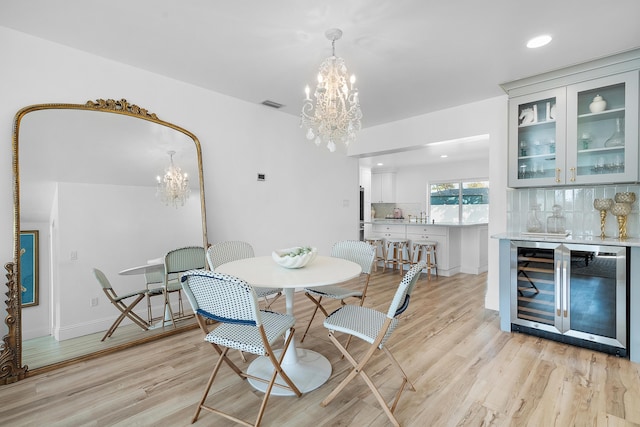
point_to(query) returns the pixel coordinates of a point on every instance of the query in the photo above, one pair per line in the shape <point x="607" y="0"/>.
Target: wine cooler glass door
<point x="596" y="294"/>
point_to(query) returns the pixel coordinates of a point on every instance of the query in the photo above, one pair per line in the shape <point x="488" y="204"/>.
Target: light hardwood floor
<point x="466" y="372"/>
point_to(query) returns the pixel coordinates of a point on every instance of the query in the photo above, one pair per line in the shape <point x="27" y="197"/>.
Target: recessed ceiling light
<point x="539" y="41"/>
<point x="379" y="164"/>
<point x="444" y="156"/>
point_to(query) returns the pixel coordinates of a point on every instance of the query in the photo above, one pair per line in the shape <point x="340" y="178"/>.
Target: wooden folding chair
<point x="374" y="327"/>
<point x="126" y="310"/>
<point x="359" y="252"/>
<point x="234" y="304"/>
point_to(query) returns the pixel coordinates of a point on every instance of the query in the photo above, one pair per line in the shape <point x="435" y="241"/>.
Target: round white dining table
<point x="150" y="267"/>
<point x="142" y="269"/>
<point x="308" y="369"/>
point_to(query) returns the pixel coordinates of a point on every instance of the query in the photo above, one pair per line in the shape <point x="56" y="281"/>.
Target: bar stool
<point x="425" y="250"/>
<point x="398" y="253"/>
<point x="379" y="244"/>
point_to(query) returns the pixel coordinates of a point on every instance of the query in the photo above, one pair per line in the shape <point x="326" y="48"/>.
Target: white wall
<point x="303" y="200"/>
<point x="411" y="182"/>
<point x="484" y="117"/>
<point x="111" y="227"/>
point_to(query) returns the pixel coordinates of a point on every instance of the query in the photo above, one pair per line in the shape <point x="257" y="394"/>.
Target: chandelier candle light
<point x="335" y="116"/>
<point x="173" y="186"/>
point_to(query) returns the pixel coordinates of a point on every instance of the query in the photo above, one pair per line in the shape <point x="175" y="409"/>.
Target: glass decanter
<point x="533" y="223"/>
<point x="556" y="222"/>
<point x="617" y="138"/>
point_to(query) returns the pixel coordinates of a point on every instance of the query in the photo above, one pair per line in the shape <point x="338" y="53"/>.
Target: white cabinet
<point x="383" y="187"/>
<point x="557" y="137"/>
<point x="389" y="231"/>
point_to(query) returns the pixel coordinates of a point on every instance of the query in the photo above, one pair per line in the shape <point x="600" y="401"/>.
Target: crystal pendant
<point x="617" y="139"/>
<point x="310" y="134"/>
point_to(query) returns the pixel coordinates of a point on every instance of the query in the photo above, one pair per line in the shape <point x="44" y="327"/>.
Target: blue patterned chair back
<point x="224" y="252"/>
<point x="221" y="297"/>
<point x="356" y="251"/>
<point x="403" y="293"/>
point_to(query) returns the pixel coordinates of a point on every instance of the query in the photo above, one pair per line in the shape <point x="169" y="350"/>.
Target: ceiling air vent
<point x="272" y="104"/>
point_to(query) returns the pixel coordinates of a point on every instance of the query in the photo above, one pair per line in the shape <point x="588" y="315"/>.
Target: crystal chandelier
<point x="173" y="186"/>
<point x="335" y="115"/>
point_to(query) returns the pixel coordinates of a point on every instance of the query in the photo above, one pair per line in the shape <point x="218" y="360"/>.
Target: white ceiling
<point x="410" y="56"/>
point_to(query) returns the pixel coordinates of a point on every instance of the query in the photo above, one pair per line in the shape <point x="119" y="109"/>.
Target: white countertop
<point x="588" y="240"/>
<point x="436" y="224"/>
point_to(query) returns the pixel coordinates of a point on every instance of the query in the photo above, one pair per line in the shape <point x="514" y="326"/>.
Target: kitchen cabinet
<point x="558" y="136"/>
<point x="573" y="293"/>
<point x="383" y="187"/>
<point x="389" y="231"/>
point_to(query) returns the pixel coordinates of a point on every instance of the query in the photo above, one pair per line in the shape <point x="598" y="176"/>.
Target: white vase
<point x="598" y="104"/>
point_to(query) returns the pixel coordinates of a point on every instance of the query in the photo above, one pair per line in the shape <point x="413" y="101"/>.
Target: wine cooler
<point x="571" y="293"/>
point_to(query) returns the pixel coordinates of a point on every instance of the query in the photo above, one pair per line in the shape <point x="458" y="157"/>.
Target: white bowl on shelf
<point x="296" y="257"/>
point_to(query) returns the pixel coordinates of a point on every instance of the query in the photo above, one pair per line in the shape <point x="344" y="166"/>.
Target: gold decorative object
<point x="603" y="205"/>
<point x="12" y="366"/>
<point x="621" y="210"/>
<point x="121" y="105"/>
<point x="626" y="197"/>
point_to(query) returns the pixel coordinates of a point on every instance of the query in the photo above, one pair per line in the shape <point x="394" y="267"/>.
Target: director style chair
<point x="232" y="250"/>
<point x="359" y="252"/>
<point x="242" y="326"/>
<point x="375" y="328"/>
<point x="126" y="309"/>
<point x="176" y="262"/>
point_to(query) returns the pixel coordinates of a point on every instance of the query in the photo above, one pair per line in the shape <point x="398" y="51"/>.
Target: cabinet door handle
<point x="558" y="288"/>
<point x="558" y="175"/>
<point x="565" y="288"/>
<point x="573" y="174"/>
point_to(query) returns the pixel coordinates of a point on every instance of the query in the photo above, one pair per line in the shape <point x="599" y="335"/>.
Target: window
<point x="459" y="201"/>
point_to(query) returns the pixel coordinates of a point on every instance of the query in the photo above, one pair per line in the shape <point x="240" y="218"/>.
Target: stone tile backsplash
<point x="577" y="207"/>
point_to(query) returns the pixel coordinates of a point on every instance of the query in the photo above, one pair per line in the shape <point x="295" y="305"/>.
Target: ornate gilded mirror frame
<point x="11" y="369"/>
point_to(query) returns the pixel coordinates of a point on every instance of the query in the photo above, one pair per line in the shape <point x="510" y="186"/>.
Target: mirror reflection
<point x="89" y="184"/>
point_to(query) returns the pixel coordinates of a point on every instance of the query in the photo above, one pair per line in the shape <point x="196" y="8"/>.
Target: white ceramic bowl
<point x="285" y="258"/>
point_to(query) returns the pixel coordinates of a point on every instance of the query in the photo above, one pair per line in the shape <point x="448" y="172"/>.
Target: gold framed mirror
<point x="85" y="176"/>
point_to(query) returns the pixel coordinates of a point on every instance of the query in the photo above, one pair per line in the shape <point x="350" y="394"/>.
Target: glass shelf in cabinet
<point x="539" y="156"/>
<point x="602" y="114"/>
<point x="540" y="123"/>
<point x="601" y="149"/>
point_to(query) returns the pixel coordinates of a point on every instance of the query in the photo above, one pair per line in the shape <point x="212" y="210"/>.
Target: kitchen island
<point x="461" y="247"/>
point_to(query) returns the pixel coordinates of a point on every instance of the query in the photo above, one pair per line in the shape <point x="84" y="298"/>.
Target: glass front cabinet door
<point x="537" y="139"/>
<point x="602" y="135"/>
<point x="585" y="133"/>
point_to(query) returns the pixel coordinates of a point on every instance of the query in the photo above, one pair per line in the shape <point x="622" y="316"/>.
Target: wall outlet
<point x="74" y="255"/>
<point x="93" y="302"/>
